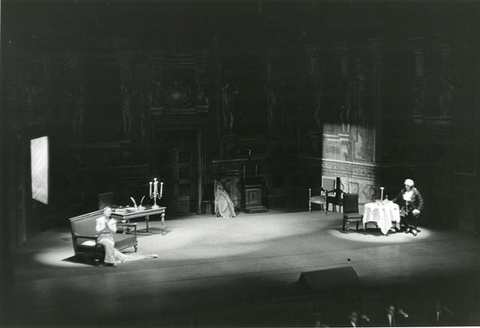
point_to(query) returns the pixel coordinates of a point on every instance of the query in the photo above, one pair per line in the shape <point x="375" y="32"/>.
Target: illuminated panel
<point x="39" y="168"/>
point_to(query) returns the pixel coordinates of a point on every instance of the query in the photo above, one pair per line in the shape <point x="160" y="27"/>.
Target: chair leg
<point x="357" y="225"/>
<point x="309" y="207"/>
<point x="348" y="225"/>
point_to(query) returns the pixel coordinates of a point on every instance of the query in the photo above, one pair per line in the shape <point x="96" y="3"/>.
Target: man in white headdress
<point x="410" y="201"/>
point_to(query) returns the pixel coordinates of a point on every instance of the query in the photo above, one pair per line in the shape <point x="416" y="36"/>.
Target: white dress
<point x="106" y="229"/>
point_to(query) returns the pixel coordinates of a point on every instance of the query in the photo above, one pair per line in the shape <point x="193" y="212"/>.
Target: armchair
<point x="84" y="237"/>
<point x="320" y="197"/>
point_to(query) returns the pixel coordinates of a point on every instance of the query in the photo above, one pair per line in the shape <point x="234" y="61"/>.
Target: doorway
<point x="176" y="165"/>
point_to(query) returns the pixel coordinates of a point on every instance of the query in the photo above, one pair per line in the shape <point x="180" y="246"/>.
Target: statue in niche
<point x="79" y="111"/>
<point x="229" y="93"/>
<point x="446" y="94"/>
<point x="318" y="104"/>
<point x="272" y="102"/>
<point x="155" y="94"/>
<point x="200" y="98"/>
<point x="144" y="102"/>
<point x="274" y="106"/>
<point x="345" y="89"/>
<point x="127" y="99"/>
<point x="419" y="95"/>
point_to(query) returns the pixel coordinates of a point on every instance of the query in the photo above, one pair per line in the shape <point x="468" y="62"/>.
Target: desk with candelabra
<point x="128" y="213"/>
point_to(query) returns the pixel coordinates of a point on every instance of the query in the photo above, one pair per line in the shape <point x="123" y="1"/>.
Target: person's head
<point x="409" y="184"/>
<point x="107" y="211"/>
<point x="353" y="316"/>
<point x="391" y="309"/>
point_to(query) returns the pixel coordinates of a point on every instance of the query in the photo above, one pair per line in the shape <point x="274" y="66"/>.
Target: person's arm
<point x="418" y="203"/>
<point x="100" y="224"/>
<point x="446" y="309"/>
<point x="403" y="313"/>
<point x="399" y="196"/>
<point x="420" y="200"/>
<point x="112" y="225"/>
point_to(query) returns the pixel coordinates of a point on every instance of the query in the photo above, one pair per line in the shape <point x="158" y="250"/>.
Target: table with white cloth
<point x="386" y="215"/>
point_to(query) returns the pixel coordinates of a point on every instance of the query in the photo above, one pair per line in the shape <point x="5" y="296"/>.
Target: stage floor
<point x="243" y="272"/>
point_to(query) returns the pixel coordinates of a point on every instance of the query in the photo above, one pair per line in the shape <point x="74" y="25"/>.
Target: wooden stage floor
<point x="244" y="272"/>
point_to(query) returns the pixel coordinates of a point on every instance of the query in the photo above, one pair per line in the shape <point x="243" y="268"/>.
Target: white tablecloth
<point x="383" y="214"/>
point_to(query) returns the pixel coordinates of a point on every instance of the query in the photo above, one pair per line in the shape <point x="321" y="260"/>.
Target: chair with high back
<point x="334" y="195"/>
<point x="105" y="199"/>
<point x="319" y="199"/>
<point x="350" y="211"/>
<point x="319" y="195"/>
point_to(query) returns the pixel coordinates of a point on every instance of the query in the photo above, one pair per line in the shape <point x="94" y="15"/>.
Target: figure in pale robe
<point x="106" y="226"/>
<point x="224" y="206"/>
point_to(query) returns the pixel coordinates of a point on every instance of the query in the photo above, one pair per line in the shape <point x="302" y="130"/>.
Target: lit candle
<point x="381" y="193"/>
<point x="155" y="187"/>
<point x="150" y="183"/>
<point x="161" y="189"/>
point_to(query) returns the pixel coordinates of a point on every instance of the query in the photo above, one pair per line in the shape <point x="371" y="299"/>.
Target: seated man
<point x="392" y="318"/>
<point x="356" y="319"/>
<point x="410" y="201"/>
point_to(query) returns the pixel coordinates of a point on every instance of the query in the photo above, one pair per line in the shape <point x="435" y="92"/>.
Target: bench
<point x="84" y="236"/>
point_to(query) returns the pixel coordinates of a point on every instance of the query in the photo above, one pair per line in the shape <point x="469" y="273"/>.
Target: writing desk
<point x="128" y="213"/>
<point x="383" y="214"/>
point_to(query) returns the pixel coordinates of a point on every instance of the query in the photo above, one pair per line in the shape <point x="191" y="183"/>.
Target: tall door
<point x="177" y="168"/>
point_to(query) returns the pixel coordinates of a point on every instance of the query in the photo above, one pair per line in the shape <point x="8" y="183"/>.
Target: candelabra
<point x="155" y="193"/>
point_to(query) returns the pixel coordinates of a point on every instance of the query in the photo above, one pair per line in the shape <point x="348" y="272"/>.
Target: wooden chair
<point x="320" y="197"/>
<point x="350" y="211"/>
<point x="334" y="196"/>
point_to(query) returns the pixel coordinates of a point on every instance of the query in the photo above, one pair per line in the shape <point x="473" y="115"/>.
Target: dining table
<point x="386" y="214"/>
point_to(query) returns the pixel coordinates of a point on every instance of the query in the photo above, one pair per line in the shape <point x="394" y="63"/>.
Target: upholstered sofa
<point x="84" y="237"/>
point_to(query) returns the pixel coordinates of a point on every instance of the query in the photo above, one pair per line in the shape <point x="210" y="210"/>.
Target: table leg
<point x="147" y="218"/>
<point x="163" y="224"/>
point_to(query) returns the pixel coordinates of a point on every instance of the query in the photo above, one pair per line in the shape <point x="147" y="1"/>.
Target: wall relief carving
<point x="178" y="95"/>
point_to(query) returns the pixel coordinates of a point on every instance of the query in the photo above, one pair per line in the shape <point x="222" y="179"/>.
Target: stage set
<point x="178" y="111"/>
<point x="265" y="269"/>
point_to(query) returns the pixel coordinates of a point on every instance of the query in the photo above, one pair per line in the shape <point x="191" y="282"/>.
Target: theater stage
<point x="244" y="272"/>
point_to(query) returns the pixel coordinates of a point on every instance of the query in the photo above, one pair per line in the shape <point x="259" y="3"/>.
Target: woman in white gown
<point x="106" y="226"/>
<point x="224" y="206"/>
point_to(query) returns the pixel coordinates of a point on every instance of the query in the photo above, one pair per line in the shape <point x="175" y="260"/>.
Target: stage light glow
<point x="376" y="236"/>
<point x="58" y="257"/>
<point x="213" y="238"/>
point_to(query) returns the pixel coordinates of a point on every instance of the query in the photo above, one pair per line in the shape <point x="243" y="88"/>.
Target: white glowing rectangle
<point x="39" y="152"/>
